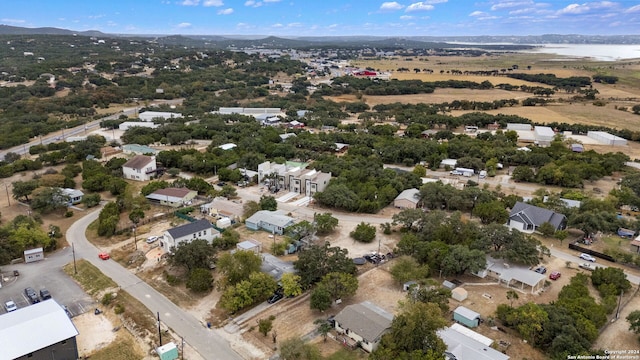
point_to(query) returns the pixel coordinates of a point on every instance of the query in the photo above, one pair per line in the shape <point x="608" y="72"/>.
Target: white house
<point x="466" y="344"/>
<point x="363" y="323"/>
<point x="75" y="196"/>
<point x="140" y="168"/>
<point x="272" y="221"/>
<point x="199" y="229"/>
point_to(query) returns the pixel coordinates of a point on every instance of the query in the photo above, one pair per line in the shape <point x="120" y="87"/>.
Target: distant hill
<point x="16" y="30"/>
<point x="262" y="41"/>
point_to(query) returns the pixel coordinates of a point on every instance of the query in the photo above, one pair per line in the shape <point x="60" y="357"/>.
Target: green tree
<point x="339" y="285"/>
<point x="323" y="328"/>
<point x="491" y="212"/>
<point x="316" y="261"/>
<point x="320" y="298"/>
<point x="22" y="189"/>
<point x="523" y="173"/>
<point x="420" y="170"/>
<point x="227" y="240"/>
<point x="268" y="203"/>
<point x="325" y="223"/>
<point x="47" y="200"/>
<point x="546" y="229"/>
<point x="407" y="268"/>
<point x="196" y="254"/>
<point x="238" y="266"/>
<point x="200" y="280"/>
<point x="436" y="295"/>
<point x="413" y="334"/>
<point x="265" y="325"/>
<point x="634" y="321"/>
<point x="108" y="219"/>
<point x="249" y="208"/>
<point x="363" y="233"/>
<point x="460" y="259"/>
<point x="257" y="287"/>
<point x="512" y="295"/>
<point x="91" y="200"/>
<point x="136" y="215"/>
<point x="291" y="284"/>
<point x="610" y="281"/>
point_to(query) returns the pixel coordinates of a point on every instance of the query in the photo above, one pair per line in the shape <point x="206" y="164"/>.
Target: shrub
<point x="200" y="280"/>
<point x="68" y="214"/>
<point x="118" y="309"/>
<point x="171" y="279"/>
<point x="106" y="299"/>
<point x="364" y="233"/>
<point x="265" y="325"/>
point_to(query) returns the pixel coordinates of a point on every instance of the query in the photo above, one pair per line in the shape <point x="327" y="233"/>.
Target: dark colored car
<point x="45" y="294"/>
<point x="31" y="295"/>
<point x="279" y="294"/>
<point x="541" y="270"/>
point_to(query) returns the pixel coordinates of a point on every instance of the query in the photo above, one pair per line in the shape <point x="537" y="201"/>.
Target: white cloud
<point x="183" y="25"/>
<point x="13" y="21"/>
<point x="253" y="3"/>
<point x="295" y="24"/>
<point x="277" y="25"/>
<point x="406" y="17"/>
<point x="271" y="1"/>
<point x="575" y="9"/>
<point x="215" y="3"/>
<point x="478" y="13"/>
<point x="633" y="9"/>
<point x="190" y="2"/>
<point x="435" y="1"/>
<point x="227" y="11"/>
<point x="419" y="6"/>
<point x="391" y="6"/>
<point x="332" y="26"/>
<point x="510" y="4"/>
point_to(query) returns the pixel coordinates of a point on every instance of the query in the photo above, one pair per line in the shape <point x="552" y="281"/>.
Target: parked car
<point x="31" y="295"/>
<point x="541" y="270"/>
<point x="10" y="306"/>
<point x="587" y="257"/>
<point x="554" y="275"/>
<point x="45" y="294"/>
<point x="16" y="273"/>
<point x="104" y="256"/>
<point x="151" y="239"/>
<point x="279" y="294"/>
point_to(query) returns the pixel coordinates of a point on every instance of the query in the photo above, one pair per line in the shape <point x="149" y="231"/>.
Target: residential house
<point x="221" y="207"/>
<point x="199" y="229"/>
<point x="408" y="199"/>
<point x="140" y="168"/>
<point x="466" y="344"/>
<point x="451" y="163"/>
<point x="174" y="197"/>
<point x="526" y="217"/>
<point x="38" y="332"/>
<point x="135" y="149"/>
<point x="272" y="221"/>
<point x="512" y="275"/>
<point x="75" y="196"/>
<point x="285" y="136"/>
<point x="304" y="181"/>
<point x="227" y="146"/>
<point x="341" y="147"/>
<point x="363" y="324"/>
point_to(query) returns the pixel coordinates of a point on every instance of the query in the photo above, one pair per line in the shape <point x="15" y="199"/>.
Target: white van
<point x="482" y="174"/>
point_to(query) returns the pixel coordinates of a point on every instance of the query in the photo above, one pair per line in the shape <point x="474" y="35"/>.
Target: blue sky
<point x="329" y="17"/>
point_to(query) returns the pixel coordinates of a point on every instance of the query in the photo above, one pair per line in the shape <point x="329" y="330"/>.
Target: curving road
<point x="206" y="342"/>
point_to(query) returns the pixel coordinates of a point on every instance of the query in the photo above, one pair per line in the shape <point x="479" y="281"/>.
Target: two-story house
<point x="140" y="168"/>
<point x="199" y="229"/>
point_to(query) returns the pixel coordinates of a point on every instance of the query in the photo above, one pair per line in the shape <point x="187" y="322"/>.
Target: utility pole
<point x="73" y="251"/>
<point x="182" y="337"/>
<point x="6" y="187"/>
<point x="159" y="331"/>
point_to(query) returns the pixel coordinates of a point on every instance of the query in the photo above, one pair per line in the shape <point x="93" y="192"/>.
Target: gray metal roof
<point x="530" y="214"/>
<point x="138" y="162"/>
<point x="190" y="228"/>
<point x="270" y="217"/>
<point x="515" y="272"/>
<point x="365" y="319"/>
<point x="409" y="194"/>
<point x="466" y="312"/>
<point x="464" y="347"/>
<point x="34" y="327"/>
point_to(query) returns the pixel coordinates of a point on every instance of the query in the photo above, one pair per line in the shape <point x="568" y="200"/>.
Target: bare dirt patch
<point x="95" y="331"/>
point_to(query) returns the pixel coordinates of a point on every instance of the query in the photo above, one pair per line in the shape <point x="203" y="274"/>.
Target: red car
<point x="104" y="256"/>
<point x="554" y="275"/>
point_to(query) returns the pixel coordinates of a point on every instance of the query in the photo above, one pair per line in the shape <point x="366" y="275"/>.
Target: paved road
<point x="78" y="130"/>
<point x="205" y="341"/>
<point x="560" y="254"/>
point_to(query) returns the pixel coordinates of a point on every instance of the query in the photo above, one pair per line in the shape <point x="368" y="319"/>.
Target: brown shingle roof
<point x="177" y="192"/>
<point x="138" y="162"/>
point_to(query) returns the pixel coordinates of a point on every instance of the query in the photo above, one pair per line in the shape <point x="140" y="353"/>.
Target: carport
<point x="511" y="275"/>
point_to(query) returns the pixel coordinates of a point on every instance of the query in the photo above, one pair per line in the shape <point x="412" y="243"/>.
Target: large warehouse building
<point x="606" y="138"/>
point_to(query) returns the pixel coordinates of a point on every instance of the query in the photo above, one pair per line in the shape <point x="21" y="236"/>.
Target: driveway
<point x="208" y="343"/>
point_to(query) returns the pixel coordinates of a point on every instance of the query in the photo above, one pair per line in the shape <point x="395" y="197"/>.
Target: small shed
<point x="459" y="294"/>
<point x="168" y="351"/>
<point x="223" y="223"/>
<point x="33" y="255"/>
<point x="448" y="284"/>
<point x="250" y="245"/>
<point x="466" y="317"/>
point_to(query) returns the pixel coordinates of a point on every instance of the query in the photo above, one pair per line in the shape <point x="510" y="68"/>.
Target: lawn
<point x="92" y="280"/>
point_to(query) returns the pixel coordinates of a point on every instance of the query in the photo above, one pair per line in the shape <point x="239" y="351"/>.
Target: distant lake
<point x="596" y="52"/>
